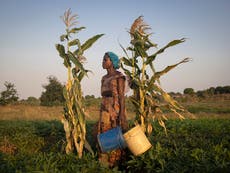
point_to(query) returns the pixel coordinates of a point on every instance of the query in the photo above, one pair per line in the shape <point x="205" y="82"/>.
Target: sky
<point x="29" y="30"/>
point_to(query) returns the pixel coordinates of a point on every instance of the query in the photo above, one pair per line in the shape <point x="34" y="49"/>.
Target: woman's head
<point x="113" y="58"/>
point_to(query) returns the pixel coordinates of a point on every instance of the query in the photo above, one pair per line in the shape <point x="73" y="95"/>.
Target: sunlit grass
<point x="27" y="112"/>
<point x="208" y="108"/>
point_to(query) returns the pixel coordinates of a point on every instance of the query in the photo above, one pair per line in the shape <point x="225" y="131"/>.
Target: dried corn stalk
<point x="145" y="81"/>
<point x="74" y="115"/>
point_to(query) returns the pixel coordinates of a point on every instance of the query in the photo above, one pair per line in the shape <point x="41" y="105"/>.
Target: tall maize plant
<point x="72" y="53"/>
<point x="148" y="97"/>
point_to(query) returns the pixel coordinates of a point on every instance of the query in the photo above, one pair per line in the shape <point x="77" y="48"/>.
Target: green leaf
<point x="151" y="58"/>
<point x="127" y="72"/>
<point x="175" y="42"/>
<point x="154" y="71"/>
<point x="74" y="42"/>
<point x="157" y="75"/>
<point x="63" y="37"/>
<point x="172" y="43"/>
<point x="75" y="61"/>
<point x="124" y="50"/>
<point x="135" y="102"/>
<point x="141" y="52"/>
<point x="65" y="93"/>
<point x="75" y="30"/>
<point x="130" y="48"/>
<point x="88" y="43"/>
<point x="80" y="76"/>
<point x="127" y="61"/>
<point x="152" y="44"/>
<point x="78" y="103"/>
<point x="135" y="83"/>
<point x="61" y="49"/>
<point x="168" y="68"/>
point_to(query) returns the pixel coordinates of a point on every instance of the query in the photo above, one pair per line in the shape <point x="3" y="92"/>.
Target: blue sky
<point x="30" y="29"/>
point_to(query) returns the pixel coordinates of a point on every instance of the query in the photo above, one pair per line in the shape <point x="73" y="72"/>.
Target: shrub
<point x="10" y="95"/>
<point x="53" y="93"/>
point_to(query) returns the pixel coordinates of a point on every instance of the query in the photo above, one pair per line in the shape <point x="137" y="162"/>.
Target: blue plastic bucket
<point x="111" y="139"/>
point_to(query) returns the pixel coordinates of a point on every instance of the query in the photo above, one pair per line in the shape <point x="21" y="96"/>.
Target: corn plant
<point x="148" y="97"/>
<point x="72" y="54"/>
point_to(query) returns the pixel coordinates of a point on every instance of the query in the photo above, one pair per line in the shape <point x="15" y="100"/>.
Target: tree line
<point x="208" y="92"/>
<point x="53" y="94"/>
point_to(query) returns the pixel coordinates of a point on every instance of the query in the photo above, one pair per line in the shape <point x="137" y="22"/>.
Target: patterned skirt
<point x="108" y="120"/>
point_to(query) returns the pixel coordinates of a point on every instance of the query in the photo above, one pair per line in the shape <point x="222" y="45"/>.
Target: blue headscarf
<point x="115" y="60"/>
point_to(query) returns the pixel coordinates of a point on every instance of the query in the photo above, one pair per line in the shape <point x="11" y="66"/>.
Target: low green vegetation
<point x="200" y="145"/>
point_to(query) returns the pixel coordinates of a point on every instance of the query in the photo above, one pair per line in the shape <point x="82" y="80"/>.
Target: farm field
<point x="32" y="139"/>
<point x="216" y="107"/>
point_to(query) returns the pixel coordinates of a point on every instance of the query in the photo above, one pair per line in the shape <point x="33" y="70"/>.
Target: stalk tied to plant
<point x="148" y="97"/>
<point x="74" y="114"/>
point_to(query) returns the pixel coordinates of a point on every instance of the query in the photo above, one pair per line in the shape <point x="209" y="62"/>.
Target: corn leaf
<point x="151" y="58"/>
<point x="169" y="99"/>
<point x="135" y="102"/>
<point x="81" y="75"/>
<point x="80" y="114"/>
<point x="88" y="43"/>
<point x="127" y="72"/>
<point x="63" y="37"/>
<point x="74" y="42"/>
<point x="152" y="44"/>
<point x="75" y="30"/>
<point x="141" y="52"/>
<point x="154" y="71"/>
<point x="75" y="61"/>
<point x="65" y="93"/>
<point x="124" y="50"/>
<point x="127" y="61"/>
<point x="179" y="115"/>
<point x="168" y="68"/>
<point x="175" y="42"/>
<point x="61" y="49"/>
<point x="172" y="43"/>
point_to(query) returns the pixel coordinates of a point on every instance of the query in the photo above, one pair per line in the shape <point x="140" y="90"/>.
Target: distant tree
<point x="175" y="95"/>
<point x="89" y="97"/>
<point x="32" y="101"/>
<point x="222" y="90"/>
<point x="202" y="94"/>
<point x="226" y="89"/>
<point x="189" y="91"/>
<point x="10" y="95"/>
<point x="211" y="91"/>
<point x="219" y="90"/>
<point x="53" y="94"/>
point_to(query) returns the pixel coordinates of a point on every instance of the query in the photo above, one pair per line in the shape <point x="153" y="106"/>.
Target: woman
<point x="112" y="111"/>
